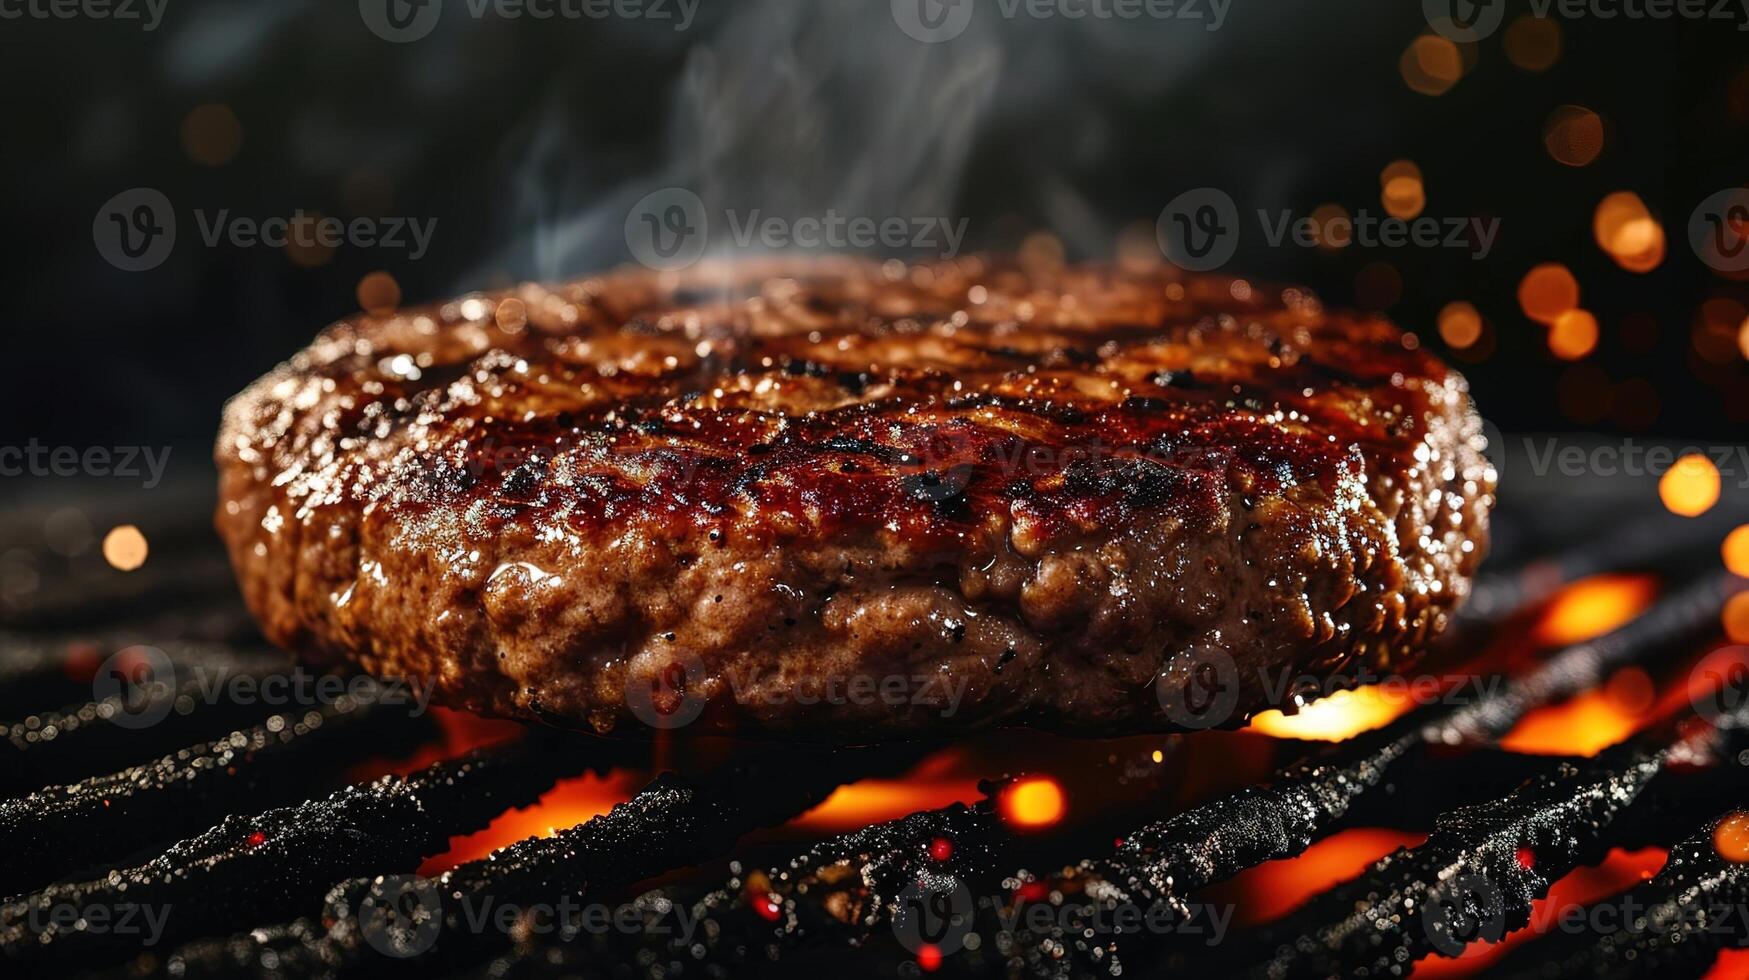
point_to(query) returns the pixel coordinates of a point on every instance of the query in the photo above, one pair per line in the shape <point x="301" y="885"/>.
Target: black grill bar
<point x="60" y="829"/>
<point x="673" y="822"/>
<point x="97" y="737"/>
<point x="1671" y="926"/>
<point x="256" y="869"/>
<point x="1483" y="865"/>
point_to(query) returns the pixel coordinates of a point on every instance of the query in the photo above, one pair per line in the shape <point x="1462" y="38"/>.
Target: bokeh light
<point x="1533" y="43"/>
<point x="1403" y="197"/>
<point x="1736" y="617"/>
<point x="124" y="547"/>
<point x="1459" y="324"/>
<point x="1547" y="291"/>
<point x="1628" y="233"/>
<point x="211" y="134"/>
<point x="1032" y="802"/>
<point x="379" y="293"/>
<point x="1431" y="65"/>
<point x="1691" y="486"/>
<point x="1573" y="135"/>
<point x="1736" y="551"/>
<point x="1573" y="335"/>
<point x="1731" y="837"/>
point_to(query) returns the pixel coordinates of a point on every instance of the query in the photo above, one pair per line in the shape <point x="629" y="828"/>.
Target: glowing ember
<point x="1526" y="858"/>
<point x="1547" y="291"/>
<point x="1533" y="43"/>
<point x="940" y="849"/>
<point x="255" y="839"/>
<point x="1431" y="65"/>
<point x="1731" y="838"/>
<point x="1589" y="723"/>
<point x="1736" y="617"/>
<point x="569" y="803"/>
<point x="1736" y="551"/>
<point x="1573" y="135"/>
<point x="1690" y="487"/>
<point x="1275" y="888"/>
<point x="929" y="958"/>
<point x="1033" y="802"/>
<point x="875" y="800"/>
<point x="124" y="547"/>
<point x="1573" y="335"/>
<point x="1594" y="606"/>
<point x="1343" y="714"/>
<point x="1459" y="324"/>
<point x="379" y="294"/>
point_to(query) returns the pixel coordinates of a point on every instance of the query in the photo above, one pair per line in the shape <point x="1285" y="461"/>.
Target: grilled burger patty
<point x="843" y="499"/>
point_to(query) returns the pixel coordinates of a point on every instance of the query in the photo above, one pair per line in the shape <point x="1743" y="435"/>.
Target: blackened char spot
<point x="1138" y="481"/>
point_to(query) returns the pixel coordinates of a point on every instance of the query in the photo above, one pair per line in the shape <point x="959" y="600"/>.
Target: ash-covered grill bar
<point x="203" y="816"/>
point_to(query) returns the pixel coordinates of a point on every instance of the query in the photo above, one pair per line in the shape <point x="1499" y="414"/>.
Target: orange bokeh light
<point x="1533" y="43"/>
<point x="1033" y="802"/>
<point x="1459" y="324"/>
<point x="1736" y="617"/>
<point x="1573" y="135"/>
<point x="1431" y="65"/>
<point x="1403" y="197"/>
<point x="1691" y="486"/>
<point x="1627" y="232"/>
<point x="1547" y="291"/>
<point x="1731" y="837"/>
<point x="1736" y="551"/>
<point x="1573" y="335"/>
<point x="124" y="547"/>
<point x="379" y="293"/>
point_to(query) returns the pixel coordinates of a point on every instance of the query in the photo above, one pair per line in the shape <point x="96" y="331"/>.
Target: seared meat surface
<point x="842" y="499"/>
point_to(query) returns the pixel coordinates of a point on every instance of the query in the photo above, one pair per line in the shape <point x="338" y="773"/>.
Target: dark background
<point x="525" y="138"/>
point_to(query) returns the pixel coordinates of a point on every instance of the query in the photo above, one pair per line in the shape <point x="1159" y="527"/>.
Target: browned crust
<point x="1042" y="488"/>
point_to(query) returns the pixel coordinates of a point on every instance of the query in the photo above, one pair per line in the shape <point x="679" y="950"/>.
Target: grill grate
<point x="240" y="825"/>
